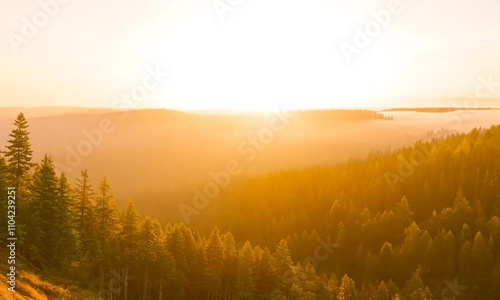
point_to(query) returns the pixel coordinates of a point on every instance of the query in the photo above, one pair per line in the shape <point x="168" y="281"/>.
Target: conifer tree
<point x="347" y="290"/>
<point x="165" y="264"/>
<point x="214" y="253"/>
<point x="414" y="288"/>
<point x="84" y="222"/>
<point x="66" y="203"/>
<point x="150" y="241"/>
<point x="107" y="227"/>
<point x="4" y="184"/>
<point x="283" y="265"/>
<point x="245" y="284"/>
<point x="382" y="292"/>
<point x="175" y="244"/>
<point x="265" y="275"/>
<point x="130" y="240"/>
<point x="19" y="154"/>
<point x="332" y="287"/>
<point x="106" y="215"/>
<point x="52" y="232"/>
<point x="386" y="261"/>
<point x="84" y="196"/>
<point x="482" y="261"/>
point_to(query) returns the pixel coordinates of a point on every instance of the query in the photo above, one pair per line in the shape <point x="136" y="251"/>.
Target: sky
<point x="249" y="54"/>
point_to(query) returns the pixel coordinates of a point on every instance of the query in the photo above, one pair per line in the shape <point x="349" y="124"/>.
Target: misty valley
<point x="236" y="207"/>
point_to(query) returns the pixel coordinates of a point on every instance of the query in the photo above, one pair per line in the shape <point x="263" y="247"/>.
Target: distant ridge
<point x="437" y="109"/>
<point x="47" y="111"/>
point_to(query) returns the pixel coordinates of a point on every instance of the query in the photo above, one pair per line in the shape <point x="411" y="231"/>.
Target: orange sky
<point x="248" y="54"/>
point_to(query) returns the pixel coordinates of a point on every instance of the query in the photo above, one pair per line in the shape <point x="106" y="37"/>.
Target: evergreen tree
<point x="50" y="231"/>
<point x="19" y="164"/>
<point x="85" y="225"/>
<point x="347" y="290"/>
<point x="129" y="241"/>
<point x="482" y="262"/>
<point x="106" y="216"/>
<point x="165" y="267"/>
<point x="214" y="254"/>
<point x="386" y="262"/>
<point x="84" y="196"/>
<point x="466" y="264"/>
<point x="229" y="281"/>
<point x="148" y="255"/>
<point x="414" y="288"/>
<point x="332" y="287"/>
<point x="245" y="284"/>
<point x="66" y="203"/>
<point x="107" y="227"/>
<point x="265" y="275"/>
<point x="4" y="185"/>
<point x="175" y="245"/>
<point x="19" y="153"/>
<point x="382" y="292"/>
<point x="283" y="265"/>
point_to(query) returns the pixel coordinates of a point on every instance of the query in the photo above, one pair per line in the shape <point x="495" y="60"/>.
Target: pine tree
<point x="150" y="241"/>
<point x="414" y="288"/>
<point x="105" y="212"/>
<point x="67" y="197"/>
<point x="347" y="290"/>
<point x="283" y="265"/>
<point x="129" y="240"/>
<point x="367" y="291"/>
<point x="84" y="196"/>
<point x="449" y="254"/>
<point x="265" y="275"/>
<point x="19" y="164"/>
<point x="332" y="287"/>
<point x="175" y="245"/>
<point x="107" y="227"/>
<point x="85" y="224"/>
<point x="466" y="234"/>
<point x="4" y="184"/>
<point x="382" y="292"/>
<point x="245" y="284"/>
<point x="229" y="281"/>
<point x="195" y="262"/>
<point x="393" y="288"/>
<point x="66" y="203"/>
<point x="386" y="261"/>
<point x="411" y="251"/>
<point x="4" y="174"/>
<point x="430" y="260"/>
<point x="52" y="233"/>
<point x="403" y="212"/>
<point x="19" y="153"/>
<point x="466" y="264"/>
<point x="214" y="254"/>
<point x="165" y="263"/>
<point x="482" y="261"/>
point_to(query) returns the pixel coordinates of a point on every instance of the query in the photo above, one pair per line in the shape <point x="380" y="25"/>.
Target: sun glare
<point x="242" y="65"/>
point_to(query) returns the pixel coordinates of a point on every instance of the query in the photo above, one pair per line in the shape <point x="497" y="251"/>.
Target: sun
<point x="248" y="66"/>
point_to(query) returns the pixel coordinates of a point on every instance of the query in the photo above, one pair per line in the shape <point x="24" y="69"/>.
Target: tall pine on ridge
<point x="19" y="153"/>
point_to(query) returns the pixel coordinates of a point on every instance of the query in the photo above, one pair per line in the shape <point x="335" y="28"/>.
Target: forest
<point x="417" y="223"/>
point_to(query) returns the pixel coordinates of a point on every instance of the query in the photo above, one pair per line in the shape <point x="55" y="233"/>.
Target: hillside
<point x="34" y="284"/>
<point x="413" y="223"/>
<point x="428" y="174"/>
<point x="172" y="152"/>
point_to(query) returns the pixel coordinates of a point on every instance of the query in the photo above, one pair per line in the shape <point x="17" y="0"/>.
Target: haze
<point x="259" y="56"/>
